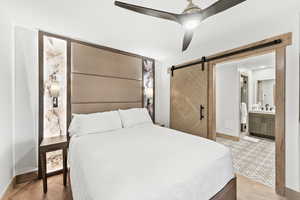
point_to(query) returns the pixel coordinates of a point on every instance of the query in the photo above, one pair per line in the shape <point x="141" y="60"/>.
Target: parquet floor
<point x="247" y="190"/>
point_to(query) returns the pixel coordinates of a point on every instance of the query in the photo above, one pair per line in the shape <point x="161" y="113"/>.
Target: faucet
<point x="267" y="107"/>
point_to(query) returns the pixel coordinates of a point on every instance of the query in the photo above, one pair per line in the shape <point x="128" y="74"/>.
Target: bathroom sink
<point x="263" y="112"/>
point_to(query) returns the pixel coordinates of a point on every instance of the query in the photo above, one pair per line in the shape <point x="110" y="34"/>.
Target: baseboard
<point x="229" y="137"/>
<point x="23" y="178"/>
<point x="25" y="171"/>
<point x="9" y="189"/>
<point x="291" y="194"/>
<point x="32" y="176"/>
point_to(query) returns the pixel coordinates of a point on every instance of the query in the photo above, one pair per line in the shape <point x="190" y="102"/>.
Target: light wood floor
<point x="247" y="190"/>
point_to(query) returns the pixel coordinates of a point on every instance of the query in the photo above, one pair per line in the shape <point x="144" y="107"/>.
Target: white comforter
<point x="147" y="162"/>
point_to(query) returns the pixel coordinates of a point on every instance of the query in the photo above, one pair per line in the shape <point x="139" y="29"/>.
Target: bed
<point x="140" y="162"/>
<point x="149" y="162"/>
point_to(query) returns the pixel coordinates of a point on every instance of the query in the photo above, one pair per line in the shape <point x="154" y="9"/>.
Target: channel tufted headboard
<point x="104" y="80"/>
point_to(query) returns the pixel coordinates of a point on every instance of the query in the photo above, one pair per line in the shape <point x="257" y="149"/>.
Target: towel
<point x="244" y="113"/>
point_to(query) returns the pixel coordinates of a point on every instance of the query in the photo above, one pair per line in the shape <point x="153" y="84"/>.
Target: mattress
<point x="147" y="162"/>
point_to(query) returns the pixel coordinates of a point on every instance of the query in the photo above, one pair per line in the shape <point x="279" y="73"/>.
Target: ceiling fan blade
<point x="188" y="36"/>
<point x="219" y="6"/>
<point x="148" y="11"/>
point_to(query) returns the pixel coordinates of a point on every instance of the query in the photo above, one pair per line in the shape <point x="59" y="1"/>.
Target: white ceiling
<point x="176" y="6"/>
<point x="99" y="21"/>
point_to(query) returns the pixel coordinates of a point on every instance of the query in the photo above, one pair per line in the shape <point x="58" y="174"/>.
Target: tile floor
<point x="255" y="160"/>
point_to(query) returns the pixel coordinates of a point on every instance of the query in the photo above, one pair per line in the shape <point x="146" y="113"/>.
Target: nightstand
<point x="53" y="144"/>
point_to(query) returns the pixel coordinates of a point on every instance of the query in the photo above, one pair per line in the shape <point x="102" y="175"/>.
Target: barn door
<point x="189" y="89"/>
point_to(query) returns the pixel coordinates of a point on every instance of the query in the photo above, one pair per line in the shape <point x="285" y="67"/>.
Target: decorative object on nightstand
<point x="49" y="145"/>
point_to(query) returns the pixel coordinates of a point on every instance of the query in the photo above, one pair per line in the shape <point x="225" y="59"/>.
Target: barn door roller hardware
<point x="205" y="59"/>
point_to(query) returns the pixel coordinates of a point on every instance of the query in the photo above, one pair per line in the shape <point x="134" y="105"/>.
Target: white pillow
<point x="83" y="124"/>
<point x="74" y="125"/>
<point x="135" y="116"/>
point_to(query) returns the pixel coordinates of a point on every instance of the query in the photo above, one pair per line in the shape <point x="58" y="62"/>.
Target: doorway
<point x="277" y="45"/>
<point x="280" y="66"/>
<point x="245" y="115"/>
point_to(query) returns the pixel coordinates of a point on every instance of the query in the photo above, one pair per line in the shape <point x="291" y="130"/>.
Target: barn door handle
<point x="201" y="112"/>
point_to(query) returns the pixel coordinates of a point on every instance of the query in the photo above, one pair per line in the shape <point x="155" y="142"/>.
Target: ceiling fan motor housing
<point x="191" y="8"/>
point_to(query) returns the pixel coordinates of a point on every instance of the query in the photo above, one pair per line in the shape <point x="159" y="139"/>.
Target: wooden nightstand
<point x="53" y="144"/>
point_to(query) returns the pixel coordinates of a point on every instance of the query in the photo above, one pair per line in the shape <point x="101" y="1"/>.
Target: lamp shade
<point x="54" y="89"/>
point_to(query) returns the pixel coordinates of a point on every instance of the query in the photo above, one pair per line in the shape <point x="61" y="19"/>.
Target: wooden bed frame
<point x="229" y="192"/>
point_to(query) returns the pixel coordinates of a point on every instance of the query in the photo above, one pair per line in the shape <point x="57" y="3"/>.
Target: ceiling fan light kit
<point x="191" y="24"/>
<point x="190" y="18"/>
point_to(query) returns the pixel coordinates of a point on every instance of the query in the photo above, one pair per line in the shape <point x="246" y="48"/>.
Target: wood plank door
<point x="189" y="89"/>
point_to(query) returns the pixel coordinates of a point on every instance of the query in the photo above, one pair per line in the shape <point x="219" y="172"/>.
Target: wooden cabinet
<point x="262" y="124"/>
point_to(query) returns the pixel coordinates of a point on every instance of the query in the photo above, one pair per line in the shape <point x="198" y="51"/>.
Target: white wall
<point x="6" y="130"/>
<point x="228" y="99"/>
<point x="162" y="93"/>
<point x="26" y="100"/>
<point x="230" y="32"/>
<point x="264" y="74"/>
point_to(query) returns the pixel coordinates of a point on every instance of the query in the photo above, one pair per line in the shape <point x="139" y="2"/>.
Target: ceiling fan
<point x="190" y="18"/>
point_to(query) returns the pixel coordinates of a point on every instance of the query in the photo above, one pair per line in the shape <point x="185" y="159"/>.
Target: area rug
<point x="255" y="160"/>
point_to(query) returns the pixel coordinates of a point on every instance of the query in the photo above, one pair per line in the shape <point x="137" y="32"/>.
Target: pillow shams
<point x="83" y="124"/>
<point x="135" y="116"/>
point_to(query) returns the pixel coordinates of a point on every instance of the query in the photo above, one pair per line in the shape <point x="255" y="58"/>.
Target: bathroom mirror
<point x="266" y="92"/>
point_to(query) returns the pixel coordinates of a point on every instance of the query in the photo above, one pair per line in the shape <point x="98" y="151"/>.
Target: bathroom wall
<point x="227" y="99"/>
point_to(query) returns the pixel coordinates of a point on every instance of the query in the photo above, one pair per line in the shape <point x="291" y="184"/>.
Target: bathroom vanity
<point x="262" y="124"/>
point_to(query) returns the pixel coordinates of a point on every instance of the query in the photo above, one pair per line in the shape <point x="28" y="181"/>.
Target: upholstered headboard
<point x="104" y="80"/>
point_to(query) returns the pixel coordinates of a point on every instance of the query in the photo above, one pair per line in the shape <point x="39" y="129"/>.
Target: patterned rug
<point x="255" y="160"/>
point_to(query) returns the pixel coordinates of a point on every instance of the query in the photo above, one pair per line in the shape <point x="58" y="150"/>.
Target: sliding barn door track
<point x="205" y="59"/>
